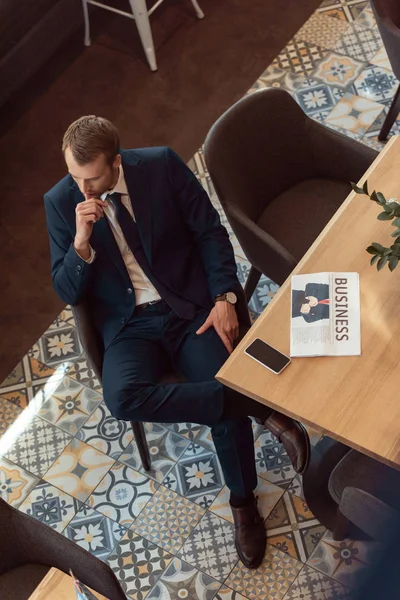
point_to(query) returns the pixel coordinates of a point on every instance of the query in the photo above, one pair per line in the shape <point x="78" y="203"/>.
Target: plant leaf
<point x="381" y="198"/>
<point x="365" y="188"/>
<point x="396" y="233"/>
<point x="393" y="262"/>
<point x="372" y="250"/>
<point x="374" y="197"/>
<point x="374" y="259"/>
<point x="385" y="216"/>
<point x="356" y="189"/>
<point x="395" y="249"/>
<point x="382" y="262"/>
<point x="378" y="247"/>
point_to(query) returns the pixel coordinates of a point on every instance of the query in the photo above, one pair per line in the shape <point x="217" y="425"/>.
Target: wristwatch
<point x="229" y="297"/>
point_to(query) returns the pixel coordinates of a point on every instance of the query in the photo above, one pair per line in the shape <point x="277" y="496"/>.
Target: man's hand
<point x="305" y="309"/>
<point x="87" y="214"/>
<point x="225" y="322"/>
<point x="312" y="300"/>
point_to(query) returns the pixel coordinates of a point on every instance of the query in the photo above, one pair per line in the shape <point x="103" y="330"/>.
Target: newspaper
<point x="325" y="319"/>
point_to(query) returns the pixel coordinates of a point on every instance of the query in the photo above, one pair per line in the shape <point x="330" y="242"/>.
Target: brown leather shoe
<point x="250" y="535"/>
<point x="294" y="438"/>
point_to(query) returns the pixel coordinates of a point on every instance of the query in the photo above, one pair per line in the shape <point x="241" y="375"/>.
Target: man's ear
<point x="117" y="162"/>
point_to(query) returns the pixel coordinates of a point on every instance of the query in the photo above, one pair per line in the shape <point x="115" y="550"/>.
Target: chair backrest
<point x="262" y="134"/>
<point x="387" y="15"/>
<point x="25" y="540"/>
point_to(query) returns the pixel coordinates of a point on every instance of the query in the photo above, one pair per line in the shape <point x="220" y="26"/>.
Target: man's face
<point x="94" y="178"/>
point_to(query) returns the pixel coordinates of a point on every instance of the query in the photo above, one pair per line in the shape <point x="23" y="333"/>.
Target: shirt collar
<point x="120" y="187"/>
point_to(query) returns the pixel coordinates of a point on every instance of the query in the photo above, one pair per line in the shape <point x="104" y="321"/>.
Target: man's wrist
<point x="83" y="249"/>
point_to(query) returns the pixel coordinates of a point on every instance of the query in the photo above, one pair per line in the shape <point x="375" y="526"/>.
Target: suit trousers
<point x="156" y="341"/>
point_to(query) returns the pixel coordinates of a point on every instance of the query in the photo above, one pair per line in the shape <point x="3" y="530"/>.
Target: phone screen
<point x="267" y="356"/>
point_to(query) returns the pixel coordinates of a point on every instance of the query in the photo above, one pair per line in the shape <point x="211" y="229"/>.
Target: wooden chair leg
<point x="251" y="283"/>
<point x="342" y="527"/>
<point x="140" y="437"/>
<point x="394" y="110"/>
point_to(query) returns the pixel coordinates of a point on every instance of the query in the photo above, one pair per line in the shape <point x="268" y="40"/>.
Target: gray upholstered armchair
<point x="280" y="176"/>
<point x="28" y="549"/>
<point x="387" y="14"/>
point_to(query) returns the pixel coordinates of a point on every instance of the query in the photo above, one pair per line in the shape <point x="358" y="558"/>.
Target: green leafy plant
<point x="390" y="212"/>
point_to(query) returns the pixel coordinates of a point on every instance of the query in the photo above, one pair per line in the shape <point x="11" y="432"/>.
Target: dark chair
<point x="93" y="347"/>
<point x="28" y="549"/>
<point x="387" y="15"/>
<point x="280" y="176"/>
<point x="367" y="494"/>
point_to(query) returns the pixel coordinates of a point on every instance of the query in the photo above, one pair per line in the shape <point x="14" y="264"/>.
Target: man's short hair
<point x="90" y="136"/>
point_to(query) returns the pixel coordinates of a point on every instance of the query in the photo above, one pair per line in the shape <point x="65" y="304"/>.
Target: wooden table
<point x="58" y="586"/>
<point x="352" y="399"/>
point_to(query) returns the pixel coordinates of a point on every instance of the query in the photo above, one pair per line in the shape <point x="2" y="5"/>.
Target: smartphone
<point x="267" y="356"/>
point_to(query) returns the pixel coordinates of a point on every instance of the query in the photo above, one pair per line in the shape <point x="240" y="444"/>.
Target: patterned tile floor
<point x="67" y="462"/>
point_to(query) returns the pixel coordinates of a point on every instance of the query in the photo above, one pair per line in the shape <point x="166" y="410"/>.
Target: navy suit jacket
<point x="187" y="247"/>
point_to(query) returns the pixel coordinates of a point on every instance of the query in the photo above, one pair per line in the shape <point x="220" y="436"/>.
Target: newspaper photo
<point x="325" y="315"/>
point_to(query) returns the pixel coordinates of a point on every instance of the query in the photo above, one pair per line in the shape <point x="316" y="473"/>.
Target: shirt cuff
<point x="91" y="257"/>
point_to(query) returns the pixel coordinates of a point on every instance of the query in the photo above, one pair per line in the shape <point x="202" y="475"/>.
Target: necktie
<point x="183" y="308"/>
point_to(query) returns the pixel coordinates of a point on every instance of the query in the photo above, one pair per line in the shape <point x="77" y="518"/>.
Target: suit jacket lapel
<point x="139" y="189"/>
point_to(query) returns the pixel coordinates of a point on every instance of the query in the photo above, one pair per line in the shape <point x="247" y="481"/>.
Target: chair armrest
<point x="89" y="337"/>
<point x="263" y="251"/>
<point x="337" y="156"/>
<point x="368" y="513"/>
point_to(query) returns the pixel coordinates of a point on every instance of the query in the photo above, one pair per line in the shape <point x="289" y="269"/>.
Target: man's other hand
<point x="224" y="319"/>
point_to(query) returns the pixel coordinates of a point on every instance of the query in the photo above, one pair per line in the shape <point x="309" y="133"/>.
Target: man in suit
<point x="134" y="235"/>
<point x="313" y="303"/>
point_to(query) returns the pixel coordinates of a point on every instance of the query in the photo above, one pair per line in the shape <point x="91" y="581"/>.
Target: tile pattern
<point x="267" y="494"/>
<point x="270" y="581"/>
<point x="82" y="372"/>
<point x="321" y="30"/>
<point x="15" y="482"/>
<point x="122" y="494"/>
<point x="69" y="405"/>
<point x="299" y="57"/>
<point x="359" y="42"/>
<point x="272" y="460"/>
<point x="376" y="83"/>
<point x="197" y="475"/>
<point x="79" y="469"/>
<point x="181" y="580"/>
<point x="138" y="564"/>
<point x="94" y="532"/>
<point x="338" y="70"/>
<point x="9" y="412"/>
<point x="104" y="432"/>
<point x="50" y="506"/>
<point x="292" y="528"/>
<point x="55" y="347"/>
<point x="165" y="448"/>
<point x="348" y="561"/>
<point x="211" y="547"/>
<point x="168" y="519"/>
<point x="311" y="585"/>
<point x="354" y="114"/>
<point x="37" y="446"/>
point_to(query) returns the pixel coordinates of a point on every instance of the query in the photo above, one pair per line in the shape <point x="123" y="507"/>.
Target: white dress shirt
<point x="144" y="289"/>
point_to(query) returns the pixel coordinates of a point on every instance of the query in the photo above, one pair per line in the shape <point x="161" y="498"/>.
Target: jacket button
<point x="78" y="268"/>
<point x="123" y="320"/>
<point x="130" y="291"/>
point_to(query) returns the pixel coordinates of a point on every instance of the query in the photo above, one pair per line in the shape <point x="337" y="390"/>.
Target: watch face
<point x="231" y="297"/>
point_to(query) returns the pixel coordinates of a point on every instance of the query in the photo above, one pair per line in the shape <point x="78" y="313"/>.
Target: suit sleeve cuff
<point x="91" y="257"/>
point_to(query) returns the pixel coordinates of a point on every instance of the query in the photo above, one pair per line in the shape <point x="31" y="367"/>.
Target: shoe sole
<point x="308" y="450"/>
